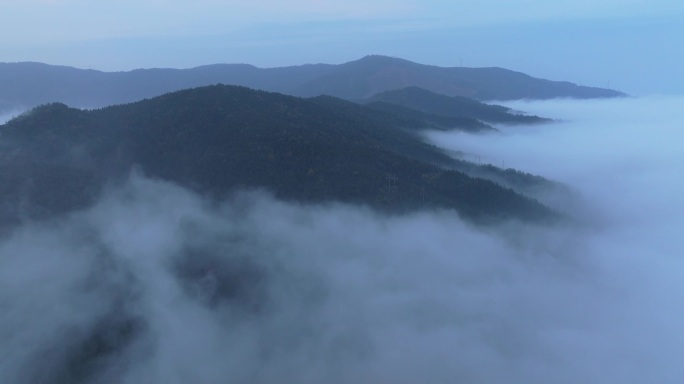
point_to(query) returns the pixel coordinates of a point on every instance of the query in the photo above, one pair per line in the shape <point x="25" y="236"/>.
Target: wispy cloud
<point x="75" y="20"/>
<point x="53" y="21"/>
<point x="493" y="13"/>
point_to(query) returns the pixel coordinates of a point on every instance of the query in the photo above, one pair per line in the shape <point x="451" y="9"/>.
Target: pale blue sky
<point x="633" y="45"/>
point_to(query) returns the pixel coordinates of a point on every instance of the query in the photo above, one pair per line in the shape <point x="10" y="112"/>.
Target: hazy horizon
<point x="628" y="46"/>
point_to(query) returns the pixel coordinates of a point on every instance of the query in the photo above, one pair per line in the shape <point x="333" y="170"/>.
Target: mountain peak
<point x="218" y="139"/>
<point x="381" y="60"/>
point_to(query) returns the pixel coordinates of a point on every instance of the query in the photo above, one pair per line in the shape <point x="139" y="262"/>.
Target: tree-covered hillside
<point x="217" y="139"/>
<point x="453" y="106"/>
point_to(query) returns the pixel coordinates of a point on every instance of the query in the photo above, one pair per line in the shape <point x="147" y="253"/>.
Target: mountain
<point x="217" y="139"/>
<point x="403" y="117"/>
<point x="31" y="84"/>
<point x="375" y="74"/>
<point x="433" y="121"/>
<point x="452" y="106"/>
<point x="25" y="85"/>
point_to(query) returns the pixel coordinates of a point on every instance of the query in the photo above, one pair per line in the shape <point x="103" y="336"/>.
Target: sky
<point x="630" y="45"/>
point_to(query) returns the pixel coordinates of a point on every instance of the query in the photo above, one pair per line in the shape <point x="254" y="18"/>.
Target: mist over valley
<point x="342" y="192"/>
<point x="226" y="234"/>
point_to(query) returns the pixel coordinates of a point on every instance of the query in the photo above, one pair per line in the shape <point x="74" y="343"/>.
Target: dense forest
<point x="217" y="139"/>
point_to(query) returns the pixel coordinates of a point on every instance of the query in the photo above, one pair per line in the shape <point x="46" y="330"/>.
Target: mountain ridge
<point x="216" y="139"/>
<point x="28" y="84"/>
<point x="452" y="106"/>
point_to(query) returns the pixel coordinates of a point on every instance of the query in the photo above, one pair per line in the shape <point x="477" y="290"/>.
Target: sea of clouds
<point x="154" y="284"/>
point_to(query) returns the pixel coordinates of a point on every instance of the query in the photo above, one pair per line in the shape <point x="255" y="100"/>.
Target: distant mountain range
<point x="217" y="139"/>
<point x="25" y="85"/>
<point x="450" y="106"/>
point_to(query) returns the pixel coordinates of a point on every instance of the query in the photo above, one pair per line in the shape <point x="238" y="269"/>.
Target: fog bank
<point x="156" y="285"/>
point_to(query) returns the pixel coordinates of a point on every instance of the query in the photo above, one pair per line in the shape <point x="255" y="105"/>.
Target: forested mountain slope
<point x="218" y="139"/>
<point x="453" y="106"/>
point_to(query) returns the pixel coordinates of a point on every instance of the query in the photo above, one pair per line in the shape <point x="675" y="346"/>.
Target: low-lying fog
<point x="155" y="285"/>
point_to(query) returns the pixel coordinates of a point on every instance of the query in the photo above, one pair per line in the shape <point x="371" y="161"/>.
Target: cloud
<point x="626" y="144"/>
<point x="154" y="284"/>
